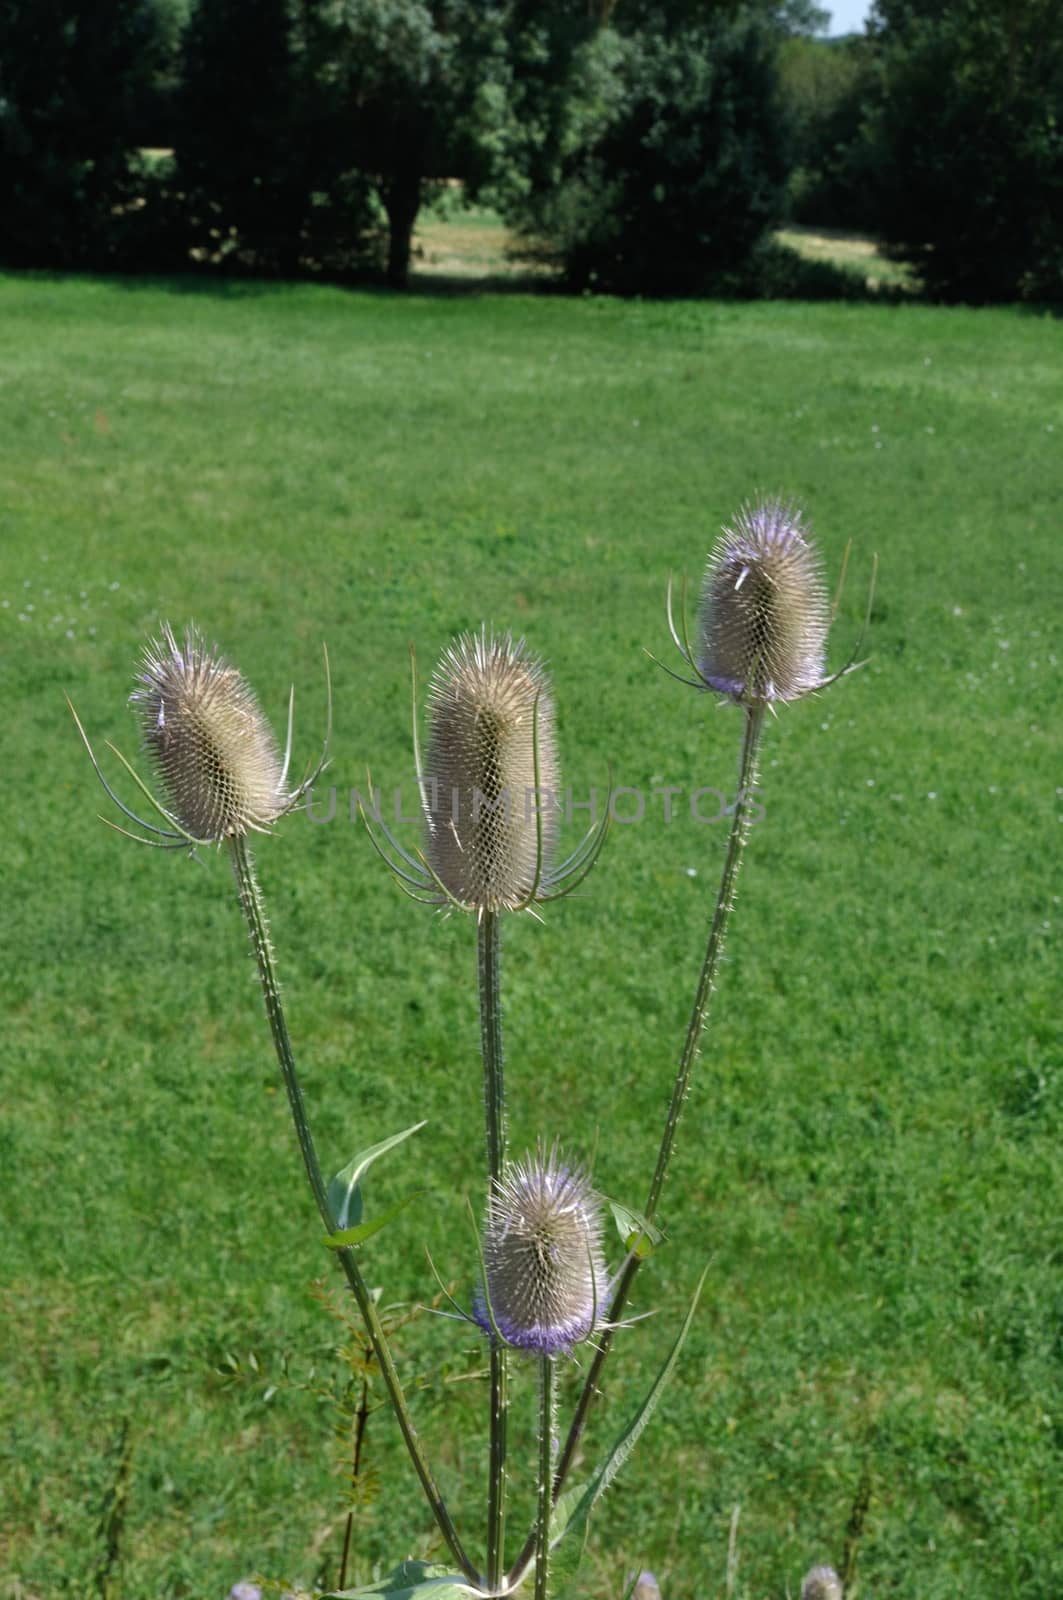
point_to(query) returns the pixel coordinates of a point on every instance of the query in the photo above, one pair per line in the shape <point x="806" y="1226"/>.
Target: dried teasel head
<point x="546" y="1287"/>
<point x="491" y="779"/>
<point x="210" y="744"/>
<point x="821" y="1583"/>
<point x="213" y="751"/>
<point x="490" y="786"/>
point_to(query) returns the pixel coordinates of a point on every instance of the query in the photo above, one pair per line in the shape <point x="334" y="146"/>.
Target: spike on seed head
<point x="210" y="743"/>
<point x="546" y="1276"/>
<point x="492" y="817"/>
<point x="765" y="612"/>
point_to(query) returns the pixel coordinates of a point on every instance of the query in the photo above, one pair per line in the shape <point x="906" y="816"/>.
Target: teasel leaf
<point x="575" y="1506"/>
<point x="640" y="1237"/>
<point x="344" y="1192"/>
<point x="413" y="1580"/>
<point x="348" y="1238"/>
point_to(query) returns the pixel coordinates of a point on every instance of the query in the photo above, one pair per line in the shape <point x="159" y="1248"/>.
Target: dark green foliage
<point x="259" y="175"/>
<point x="968" y="144"/>
<point x="827" y="88"/>
<point x="73" y="81"/>
<point x="675" y="163"/>
<point x="412" y="102"/>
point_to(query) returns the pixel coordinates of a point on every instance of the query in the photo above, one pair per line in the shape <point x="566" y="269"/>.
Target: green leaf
<point x="348" y="1237"/>
<point x="575" y="1506"/>
<point x="344" y="1193"/>
<point x="414" y="1580"/>
<point x="640" y="1237"/>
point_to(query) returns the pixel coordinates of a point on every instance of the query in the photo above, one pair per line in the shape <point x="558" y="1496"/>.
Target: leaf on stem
<point x="344" y="1192"/>
<point x="640" y="1237"/>
<point x="573" y="1508"/>
<point x="347" y="1238"/>
<point x="413" y="1580"/>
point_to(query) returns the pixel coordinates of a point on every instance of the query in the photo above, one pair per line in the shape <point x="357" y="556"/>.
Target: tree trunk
<point x="402" y="201"/>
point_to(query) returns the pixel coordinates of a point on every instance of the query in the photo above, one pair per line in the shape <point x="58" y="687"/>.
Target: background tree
<point x="240" y="165"/>
<point x="420" y="90"/>
<point x="967" y="144"/>
<point x="74" y="77"/>
<point x="828" y="87"/>
<point x="673" y="160"/>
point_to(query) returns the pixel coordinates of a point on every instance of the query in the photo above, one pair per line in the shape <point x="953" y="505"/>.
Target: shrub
<point x="968" y="145"/>
<point x="675" y="165"/>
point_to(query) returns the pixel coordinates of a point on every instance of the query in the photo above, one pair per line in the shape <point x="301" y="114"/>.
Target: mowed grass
<point x="870" y="1161"/>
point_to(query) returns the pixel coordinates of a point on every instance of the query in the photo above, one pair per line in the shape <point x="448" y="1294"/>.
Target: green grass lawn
<point x="870" y="1158"/>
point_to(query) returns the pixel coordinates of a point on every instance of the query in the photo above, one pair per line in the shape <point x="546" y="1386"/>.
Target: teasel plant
<point x="544" y="1290"/>
<point x="490" y="796"/>
<point x="761" y="639"/>
<point x="224" y="778"/>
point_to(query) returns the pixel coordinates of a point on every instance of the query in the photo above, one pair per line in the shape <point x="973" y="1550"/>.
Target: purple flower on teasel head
<point x="765" y="614"/>
<point x="546" y="1287"/>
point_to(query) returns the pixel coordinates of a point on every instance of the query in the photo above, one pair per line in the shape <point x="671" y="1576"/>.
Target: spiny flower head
<point x="208" y="739"/>
<point x="546" y="1283"/>
<point x="765" y="613"/>
<point x="491" y="779"/>
<point x="821" y="1583"/>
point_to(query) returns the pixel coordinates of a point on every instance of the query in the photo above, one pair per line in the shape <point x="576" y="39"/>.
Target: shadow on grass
<point x="776" y="272"/>
<point x="237" y="286"/>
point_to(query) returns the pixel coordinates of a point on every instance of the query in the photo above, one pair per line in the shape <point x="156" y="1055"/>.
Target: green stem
<point x="489" y="966"/>
<point x="490" y="973"/>
<point x="545" y="1498"/>
<point x="254" y="912"/>
<point x="736" y="841"/>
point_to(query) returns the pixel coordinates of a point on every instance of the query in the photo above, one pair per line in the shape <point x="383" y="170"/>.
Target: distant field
<point x="477" y="244"/>
<point x="870" y="1162"/>
<point x="466" y="243"/>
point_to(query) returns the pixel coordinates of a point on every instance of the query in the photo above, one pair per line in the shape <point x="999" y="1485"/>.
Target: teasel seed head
<point x="211" y="746"/>
<point x="546" y="1286"/>
<point x="491" y="780"/>
<point x="490" y="788"/>
<point x="821" y="1583"/>
<point x="765" y="612"/>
